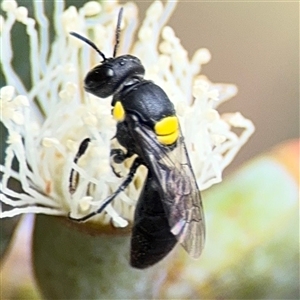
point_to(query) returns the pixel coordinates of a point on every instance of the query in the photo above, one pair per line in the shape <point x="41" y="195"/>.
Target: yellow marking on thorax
<point x="118" y="112"/>
<point x="167" y="130"/>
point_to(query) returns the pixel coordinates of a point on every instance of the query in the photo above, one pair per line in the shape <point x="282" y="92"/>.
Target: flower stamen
<point x="47" y="123"/>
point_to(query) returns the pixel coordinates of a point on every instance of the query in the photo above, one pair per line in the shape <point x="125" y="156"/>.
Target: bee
<point x="169" y="208"/>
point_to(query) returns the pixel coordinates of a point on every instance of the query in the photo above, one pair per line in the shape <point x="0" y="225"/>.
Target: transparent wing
<point x="181" y="196"/>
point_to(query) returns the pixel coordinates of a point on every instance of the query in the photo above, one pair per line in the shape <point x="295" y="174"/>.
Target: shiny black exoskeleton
<point x="114" y="73"/>
<point x="169" y="208"/>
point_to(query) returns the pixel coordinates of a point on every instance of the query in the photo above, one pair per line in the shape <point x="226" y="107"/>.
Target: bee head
<point x="112" y="74"/>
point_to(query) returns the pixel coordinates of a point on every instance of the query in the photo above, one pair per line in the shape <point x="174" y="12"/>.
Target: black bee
<point x="169" y="208"/>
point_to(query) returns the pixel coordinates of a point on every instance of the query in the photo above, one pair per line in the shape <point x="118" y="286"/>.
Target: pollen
<point x="7" y="93"/>
<point x="9" y="5"/>
<point x="21" y="14"/>
<point x="85" y="203"/>
<point x="92" y="8"/>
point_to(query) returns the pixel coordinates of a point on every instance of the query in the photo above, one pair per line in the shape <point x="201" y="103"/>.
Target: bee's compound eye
<point x="99" y="75"/>
<point x="100" y="81"/>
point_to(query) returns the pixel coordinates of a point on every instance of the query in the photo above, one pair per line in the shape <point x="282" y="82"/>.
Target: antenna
<point x="91" y="43"/>
<point x="118" y="30"/>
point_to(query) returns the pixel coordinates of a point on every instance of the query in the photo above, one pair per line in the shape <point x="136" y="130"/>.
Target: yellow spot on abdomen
<point x="119" y="112"/>
<point x="167" y="130"/>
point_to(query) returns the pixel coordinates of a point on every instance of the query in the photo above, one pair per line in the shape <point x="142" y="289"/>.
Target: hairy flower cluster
<point x="47" y="123"/>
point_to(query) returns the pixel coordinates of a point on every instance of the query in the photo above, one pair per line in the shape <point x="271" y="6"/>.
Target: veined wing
<point x="181" y="195"/>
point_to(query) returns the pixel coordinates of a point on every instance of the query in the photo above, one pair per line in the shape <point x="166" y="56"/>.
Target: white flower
<point x="47" y="123"/>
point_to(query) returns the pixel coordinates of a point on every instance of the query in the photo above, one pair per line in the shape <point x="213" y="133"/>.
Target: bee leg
<point x="117" y="156"/>
<point x="81" y="150"/>
<point x="136" y="163"/>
